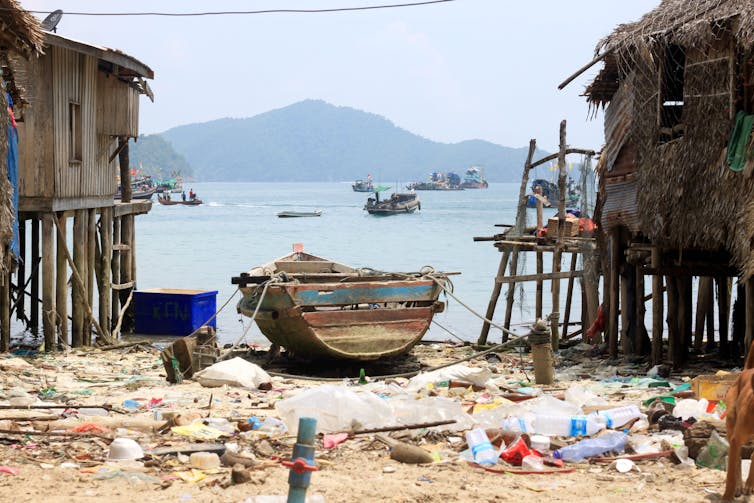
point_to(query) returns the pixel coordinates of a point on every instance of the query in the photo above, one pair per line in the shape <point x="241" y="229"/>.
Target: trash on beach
<point x="233" y="372"/>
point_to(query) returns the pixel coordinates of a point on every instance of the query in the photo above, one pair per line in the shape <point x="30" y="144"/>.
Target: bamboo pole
<point x="657" y="308"/>
<point x="61" y="283"/>
<point x="126" y="264"/>
<point x="509" y="296"/>
<point x="34" y="303"/>
<point x="685" y="317"/>
<point x="482" y="340"/>
<point x="5" y="306"/>
<point x="81" y="286"/>
<point x="557" y="254"/>
<point x="48" y="282"/>
<point x="723" y="312"/>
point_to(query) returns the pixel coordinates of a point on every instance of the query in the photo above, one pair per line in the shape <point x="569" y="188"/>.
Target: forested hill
<point x="155" y="156"/>
<point x="316" y="141"/>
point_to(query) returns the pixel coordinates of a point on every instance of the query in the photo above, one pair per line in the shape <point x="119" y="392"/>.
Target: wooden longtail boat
<point x="315" y="307"/>
<point x="170" y="202"/>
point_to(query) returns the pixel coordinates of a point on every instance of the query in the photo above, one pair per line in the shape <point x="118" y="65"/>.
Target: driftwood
<point x="403" y="427"/>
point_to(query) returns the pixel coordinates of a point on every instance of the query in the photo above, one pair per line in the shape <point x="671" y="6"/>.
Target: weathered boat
<point x="318" y="308"/>
<point x="438" y="181"/>
<point x="297" y="214"/>
<point x="397" y="203"/>
<point x="138" y="194"/>
<point x="551" y="193"/>
<point x="170" y="202"/>
<point x="474" y="179"/>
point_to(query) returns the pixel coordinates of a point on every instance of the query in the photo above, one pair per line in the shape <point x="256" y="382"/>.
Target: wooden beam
<point x="78" y="295"/>
<point x="21" y="273"/>
<point x="35" y="258"/>
<point x="557" y="254"/>
<point x="91" y="242"/>
<point x="581" y="70"/>
<point x="657" y="309"/>
<point x="482" y="340"/>
<point x="103" y="269"/>
<point x="541" y="277"/>
<point x="702" y="308"/>
<point x="521" y="203"/>
<point x="61" y="283"/>
<point x="552" y="157"/>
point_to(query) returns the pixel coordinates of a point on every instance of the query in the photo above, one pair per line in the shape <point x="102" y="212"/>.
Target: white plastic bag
<point x="234" y="372"/>
<point x="473" y="375"/>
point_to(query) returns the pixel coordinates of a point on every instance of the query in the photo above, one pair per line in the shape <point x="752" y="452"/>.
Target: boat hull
<point x="345" y="318"/>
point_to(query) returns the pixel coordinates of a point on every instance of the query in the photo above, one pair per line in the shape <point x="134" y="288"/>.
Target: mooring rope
<point x="251" y="322"/>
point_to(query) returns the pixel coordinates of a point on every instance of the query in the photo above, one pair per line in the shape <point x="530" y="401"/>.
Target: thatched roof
<point x="689" y="23"/>
<point x="19" y="30"/>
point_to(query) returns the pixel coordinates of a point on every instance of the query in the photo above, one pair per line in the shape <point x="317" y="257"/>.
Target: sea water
<point x="202" y="247"/>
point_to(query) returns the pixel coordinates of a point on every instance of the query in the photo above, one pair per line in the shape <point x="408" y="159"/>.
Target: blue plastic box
<point x="173" y="311"/>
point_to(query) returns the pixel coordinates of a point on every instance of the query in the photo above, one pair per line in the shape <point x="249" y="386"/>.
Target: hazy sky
<point x="486" y="69"/>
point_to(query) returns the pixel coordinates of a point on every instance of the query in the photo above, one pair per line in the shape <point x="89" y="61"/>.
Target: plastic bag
<point x="472" y="375"/>
<point x="234" y="372"/>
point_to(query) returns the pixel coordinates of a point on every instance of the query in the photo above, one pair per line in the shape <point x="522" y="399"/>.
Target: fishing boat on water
<point x="474" y="179"/>
<point x="142" y="187"/>
<point x="318" y="308"/>
<point x="551" y="193"/>
<point x="397" y="203"/>
<point x="438" y="181"/>
<point x="169" y="202"/>
<point x="363" y="185"/>
<point x="299" y="214"/>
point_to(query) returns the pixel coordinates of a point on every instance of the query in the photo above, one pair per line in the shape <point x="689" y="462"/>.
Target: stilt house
<point x="677" y="175"/>
<point x="81" y="107"/>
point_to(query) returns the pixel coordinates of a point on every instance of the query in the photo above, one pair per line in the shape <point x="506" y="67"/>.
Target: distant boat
<point x="317" y="308"/>
<point x="474" y="179"/>
<point x="139" y="194"/>
<point x="363" y="185"/>
<point x="438" y="181"/>
<point x="170" y="202"/>
<point x="296" y="214"/>
<point x="398" y="203"/>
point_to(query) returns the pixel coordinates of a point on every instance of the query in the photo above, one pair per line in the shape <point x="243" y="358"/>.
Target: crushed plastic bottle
<point x="481" y="448"/>
<point x="566" y="426"/>
<point x="615" y="418"/>
<point x="614" y="441"/>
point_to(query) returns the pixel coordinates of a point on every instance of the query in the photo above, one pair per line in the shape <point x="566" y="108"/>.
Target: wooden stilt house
<point x="80" y="110"/>
<point x="676" y="176"/>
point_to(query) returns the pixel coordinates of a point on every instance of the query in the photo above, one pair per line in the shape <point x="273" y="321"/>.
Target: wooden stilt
<point x="126" y="230"/>
<point x="657" y="308"/>
<point x="34" y="302"/>
<point x="21" y="273"/>
<point x="590" y="285"/>
<point x="115" y="270"/>
<point x="710" y="316"/>
<point x="493" y="299"/>
<point x="686" y="317"/>
<point x="106" y="247"/>
<point x="558" y="253"/>
<point x="627" y="312"/>
<point x="675" y="338"/>
<point x="61" y="283"/>
<point x="538" y="300"/>
<point x="91" y="236"/>
<point x="5" y="307"/>
<point x="79" y="260"/>
<point x="702" y="308"/>
<point x="48" y="282"/>
<point x="749" y="313"/>
<point x="569" y="294"/>
<point x="614" y="294"/>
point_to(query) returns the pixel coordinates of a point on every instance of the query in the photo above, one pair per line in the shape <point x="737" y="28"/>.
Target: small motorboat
<point x="363" y="185"/>
<point x="296" y="214"/>
<point x="396" y="204"/>
<point x="170" y="202"/>
<point x="315" y="307"/>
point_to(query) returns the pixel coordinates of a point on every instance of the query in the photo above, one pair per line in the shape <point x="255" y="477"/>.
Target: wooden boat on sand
<point x="318" y="308"/>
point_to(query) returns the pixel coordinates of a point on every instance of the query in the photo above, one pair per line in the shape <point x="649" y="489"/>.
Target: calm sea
<point x="237" y="228"/>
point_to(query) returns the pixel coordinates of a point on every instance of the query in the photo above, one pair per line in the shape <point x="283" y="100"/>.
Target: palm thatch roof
<point x="693" y="24"/>
<point x="19" y="30"/>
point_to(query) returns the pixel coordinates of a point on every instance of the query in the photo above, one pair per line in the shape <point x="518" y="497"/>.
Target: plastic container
<point x="540" y="442"/>
<point x="124" y="449"/>
<point x="566" y="426"/>
<point x="481" y="448"/>
<point x="615" y="418"/>
<point x="173" y="311"/>
<point x="614" y="441"/>
<point x="514" y="424"/>
<point x="204" y="460"/>
<point x="220" y="423"/>
<point x="533" y="463"/>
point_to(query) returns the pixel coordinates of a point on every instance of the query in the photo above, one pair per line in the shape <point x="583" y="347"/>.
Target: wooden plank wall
<point x="35" y="131"/>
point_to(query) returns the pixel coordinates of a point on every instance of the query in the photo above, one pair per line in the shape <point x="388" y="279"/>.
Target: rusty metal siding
<point x="621" y="205"/>
<point x="618" y="121"/>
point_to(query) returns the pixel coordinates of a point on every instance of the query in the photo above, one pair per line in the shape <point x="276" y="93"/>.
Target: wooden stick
<point x="657" y="309"/>
<point x="493" y="299"/>
<point x="54" y="434"/>
<point x="48" y="282"/>
<point x="30" y="407"/>
<point x="569" y="293"/>
<point x="61" y="283"/>
<point x="121" y="315"/>
<point x="415" y="426"/>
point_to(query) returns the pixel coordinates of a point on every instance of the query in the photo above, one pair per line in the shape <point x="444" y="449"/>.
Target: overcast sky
<point x="467" y="69"/>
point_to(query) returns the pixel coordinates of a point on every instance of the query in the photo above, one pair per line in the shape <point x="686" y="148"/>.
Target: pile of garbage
<point x="113" y="415"/>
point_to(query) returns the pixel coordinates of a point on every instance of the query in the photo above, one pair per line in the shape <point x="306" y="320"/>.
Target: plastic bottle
<point x="566" y="426"/>
<point x="615" y="418"/>
<point x="614" y="441"/>
<point x="514" y="424"/>
<point x="481" y="448"/>
<point x="533" y="463"/>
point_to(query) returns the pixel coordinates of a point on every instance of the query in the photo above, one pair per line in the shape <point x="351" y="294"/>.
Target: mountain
<point x="157" y="157"/>
<point x="315" y="141"/>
